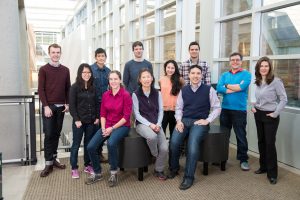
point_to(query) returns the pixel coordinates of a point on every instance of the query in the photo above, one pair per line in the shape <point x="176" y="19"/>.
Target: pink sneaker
<point x="75" y="173"/>
<point x="89" y="169"/>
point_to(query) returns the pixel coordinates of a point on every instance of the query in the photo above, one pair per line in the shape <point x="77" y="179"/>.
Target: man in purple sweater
<point x="53" y="88"/>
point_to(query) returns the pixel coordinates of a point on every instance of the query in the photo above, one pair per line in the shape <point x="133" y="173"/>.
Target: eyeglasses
<point x="235" y="60"/>
<point x="86" y="72"/>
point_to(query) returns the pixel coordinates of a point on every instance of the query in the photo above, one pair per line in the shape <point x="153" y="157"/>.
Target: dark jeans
<point x="169" y="118"/>
<point x="52" y="128"/>
<point x="266" y="134"/>
<point x="238" y="120"/>
<point x="195" y="134"/>
<point x="88" y="131"/>
<point x="112" y="145"/>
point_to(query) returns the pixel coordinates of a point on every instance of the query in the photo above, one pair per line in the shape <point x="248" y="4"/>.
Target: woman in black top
<point x="85" y="113"/>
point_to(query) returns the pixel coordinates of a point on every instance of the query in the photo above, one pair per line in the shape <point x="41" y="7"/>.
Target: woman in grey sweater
<point x="271" y="98"/>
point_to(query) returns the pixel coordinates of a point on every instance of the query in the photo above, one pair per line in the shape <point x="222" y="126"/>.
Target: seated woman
<point x="83" y="106"/>
<point x="115" y="113"/>
<point x="148" y="110"/>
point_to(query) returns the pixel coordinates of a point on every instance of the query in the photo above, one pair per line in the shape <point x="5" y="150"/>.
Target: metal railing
<point x="19" y="104"/>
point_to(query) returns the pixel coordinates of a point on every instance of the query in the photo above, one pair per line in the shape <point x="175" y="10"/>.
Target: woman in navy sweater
<point x="148" y="110"/>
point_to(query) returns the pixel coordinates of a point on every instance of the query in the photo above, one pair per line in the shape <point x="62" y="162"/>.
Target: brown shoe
<point x="102" y="158"/>
<point x="46" y="171"/>
<point x="58" y="165"/>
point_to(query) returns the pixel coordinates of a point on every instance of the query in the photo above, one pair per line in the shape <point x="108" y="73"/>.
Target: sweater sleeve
<point x="246" y="81"/>
<point x="221" y="85"/>
<point x="126" y="77"/>
<point x="68" y="85"/>
<point x="160" y="110"/>
<point x="42" y="86"/>
<point x="282" y="97"/>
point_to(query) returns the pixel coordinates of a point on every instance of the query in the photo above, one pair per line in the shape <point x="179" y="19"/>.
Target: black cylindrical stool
<point x="134" y="153"/>
<point x="215" y="147"/>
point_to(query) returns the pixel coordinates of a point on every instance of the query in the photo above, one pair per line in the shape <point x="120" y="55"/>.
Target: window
<point x="233" y="6"/>
<point x="135" y="31"/>
<point x="149" y="47"/>
<point x="135" y="6"/>
<point x="149" y="25"/>
<point x="122" y="15"/>
<point x="168" y="45"/>
<point x="149" y="5"/>
<point x="281" y="32"/>
<point x="197" y="11"/>
<point x="289" y="72"/>
<point x="168" y="20"/>
<point x="235" y="36"/>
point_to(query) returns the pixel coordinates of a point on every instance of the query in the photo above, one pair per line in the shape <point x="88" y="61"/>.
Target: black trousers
<point x="169" y="118"/>
<point x="52" y="128"/>
<point x="266" y="133"/>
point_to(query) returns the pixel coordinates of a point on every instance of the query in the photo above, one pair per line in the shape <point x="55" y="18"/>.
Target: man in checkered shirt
<point x="194" y="49"/>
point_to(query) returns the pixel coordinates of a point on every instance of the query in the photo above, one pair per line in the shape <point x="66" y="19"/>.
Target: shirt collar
<point x="118" y="93"/>
<point x="196" y="87"/>
<point x="239" y="70"/>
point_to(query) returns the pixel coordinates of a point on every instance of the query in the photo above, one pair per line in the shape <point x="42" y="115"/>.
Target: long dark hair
<point x="175" y="78"/>
<point x="270" y="75"/>
<point x="79" y="79"/>
<point x="140" y="75"/>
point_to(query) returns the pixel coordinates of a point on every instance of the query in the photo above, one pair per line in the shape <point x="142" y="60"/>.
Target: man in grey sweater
<point x="133" y="67"/>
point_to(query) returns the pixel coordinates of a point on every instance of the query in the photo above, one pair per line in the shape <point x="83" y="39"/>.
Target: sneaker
<point x="89" y="169"/>
<point x="93" y="179"/>
<point x="245" y="166"/>
<point x="160" y="175"/>
<point x="75" y="173"/>
<point x="113" y="180"/>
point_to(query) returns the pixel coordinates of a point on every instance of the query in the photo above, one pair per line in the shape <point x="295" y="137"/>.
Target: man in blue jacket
<point x="233" y="85"/>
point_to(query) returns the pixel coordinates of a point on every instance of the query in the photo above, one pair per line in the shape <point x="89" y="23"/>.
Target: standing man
<point x="100" y="73"/>
<point x="193" y="119"/>
<point x="53" y="88"/>
<point x="233" y="85"/>
<point x="194" y="50"/>
<point x="133" y="67"/>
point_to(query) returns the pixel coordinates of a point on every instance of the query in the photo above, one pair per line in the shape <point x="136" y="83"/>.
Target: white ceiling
<point x="50" y="15"/>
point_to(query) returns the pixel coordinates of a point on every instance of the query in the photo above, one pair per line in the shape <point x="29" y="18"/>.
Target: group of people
<point x="101" y="108"/>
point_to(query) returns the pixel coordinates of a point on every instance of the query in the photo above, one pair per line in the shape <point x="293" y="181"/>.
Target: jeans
<point x="238" y="120"/>
<point x="112" y="145"/>
<point x="88" y="131"/>
<point x="195" y="134"/>
<point x="266" y="134"/>
<point x="52" y="128"/>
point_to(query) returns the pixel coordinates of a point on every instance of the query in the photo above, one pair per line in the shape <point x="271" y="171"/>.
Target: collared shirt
<point x="214" y="104"/>
<point x="100" y="79"/>
<point x="271" y="97"/>
<point x="184" y="71"/>
<point x="115" y="107"/>
<point x="234" y="72"/>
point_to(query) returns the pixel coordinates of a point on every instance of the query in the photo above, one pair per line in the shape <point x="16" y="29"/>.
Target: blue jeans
<point x="238" y="120"/>
<point x="88" y="131"/>
<point x="195" y="134"/>
<point x="112" y="145"/>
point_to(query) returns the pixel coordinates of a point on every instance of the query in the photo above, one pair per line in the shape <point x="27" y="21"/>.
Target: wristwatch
<point x="226" y="86"/>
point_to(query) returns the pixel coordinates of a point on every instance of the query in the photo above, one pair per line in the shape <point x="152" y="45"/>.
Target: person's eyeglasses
<point x="235" y="60"/>
<point x="86" y="72"/>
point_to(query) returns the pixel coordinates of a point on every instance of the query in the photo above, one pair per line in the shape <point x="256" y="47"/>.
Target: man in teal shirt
<point x="233" y="85"/>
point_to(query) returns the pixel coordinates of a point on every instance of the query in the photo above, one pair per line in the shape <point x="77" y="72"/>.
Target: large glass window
<point x="235" y="36"/>
<point x="233" y="6"/>
<point x="135" y="31"/>
<point x="149" y="25"/>
<point x="197" y="11"/>
<point x="165" y="1"/>
<point x="281" y="32"/>
<point x="289" y="72"/>
<point x="135" y="7"/>
<point x="168" y="20"/>
<point x="168" y="45"/>
<point x="149" y="47"/>
<point x="122" y="15"/>
<point x="149" y="5"/>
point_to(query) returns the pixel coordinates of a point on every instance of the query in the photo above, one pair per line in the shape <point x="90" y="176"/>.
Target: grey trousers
<point x="157" y="143"/>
